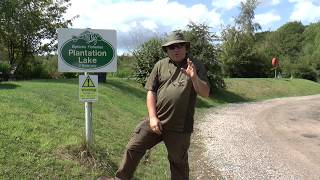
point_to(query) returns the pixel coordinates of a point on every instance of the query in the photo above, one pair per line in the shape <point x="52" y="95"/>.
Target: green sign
<point x="87" y="51"/>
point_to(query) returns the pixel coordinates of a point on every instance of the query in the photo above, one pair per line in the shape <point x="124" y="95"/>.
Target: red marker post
<point x="275" y="65"/>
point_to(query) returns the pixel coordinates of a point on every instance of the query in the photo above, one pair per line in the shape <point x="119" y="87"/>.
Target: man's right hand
<point x="155" y="125"/>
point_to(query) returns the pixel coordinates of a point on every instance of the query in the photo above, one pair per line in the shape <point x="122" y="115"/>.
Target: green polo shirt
<point x="176" y="97"/>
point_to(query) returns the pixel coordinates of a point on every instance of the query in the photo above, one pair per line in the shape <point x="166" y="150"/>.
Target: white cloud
<point x="267" y="3"/>
<point x="306" y="11"/>
<point x="149" y="24"/>
<point x="152" y="15"/>
<point x="230" y="4"/>
<point x="138" y="18"/>
<point x="275" y="2"/>
<point x="226" y="4"/>
<point x="267" y="18"/>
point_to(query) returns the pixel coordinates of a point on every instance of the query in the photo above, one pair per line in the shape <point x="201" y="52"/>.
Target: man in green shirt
<point x="172" y="88"/>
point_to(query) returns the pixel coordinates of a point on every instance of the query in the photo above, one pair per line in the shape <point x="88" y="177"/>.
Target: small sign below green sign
<point x="88" y="88"/>
<point x="87" y="50"/>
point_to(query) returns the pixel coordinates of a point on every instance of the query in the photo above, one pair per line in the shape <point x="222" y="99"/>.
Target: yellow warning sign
<point x="88" y="83"/>
<point x="88" y="88"/>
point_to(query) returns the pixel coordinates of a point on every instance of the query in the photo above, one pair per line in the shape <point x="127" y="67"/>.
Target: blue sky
<point x="138" y="20"/>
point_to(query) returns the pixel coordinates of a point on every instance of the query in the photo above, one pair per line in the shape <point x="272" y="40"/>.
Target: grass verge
<point x="42" y="125"/>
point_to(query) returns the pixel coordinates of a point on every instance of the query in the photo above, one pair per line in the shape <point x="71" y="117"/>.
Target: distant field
<point x="42" y="125"/>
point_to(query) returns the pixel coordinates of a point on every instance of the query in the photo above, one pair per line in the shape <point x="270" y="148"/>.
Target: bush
<point x="49" y="68"/>
<point x="70" y="75"/>
<point x="4" y="71"/>
<point x="39" y="67"/>
<point x="126" y="66"/>
<point x="25" y="71"/>
<point x="146" y="57"/>
<point x="305" y="72"/>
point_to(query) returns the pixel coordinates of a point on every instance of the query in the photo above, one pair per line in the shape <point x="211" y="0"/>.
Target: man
<point x="172" y="88"/>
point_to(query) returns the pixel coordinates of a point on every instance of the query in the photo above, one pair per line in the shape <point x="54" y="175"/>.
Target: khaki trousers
<point x="144" y="138"/>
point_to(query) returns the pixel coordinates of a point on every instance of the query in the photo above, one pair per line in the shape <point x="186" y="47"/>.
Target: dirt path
<point x="273" y="139"/>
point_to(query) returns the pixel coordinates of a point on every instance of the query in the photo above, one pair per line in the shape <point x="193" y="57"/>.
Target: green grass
<point x="125" y="68"/>
<point x="256" y="89"/>
<point x="42" y="125"/>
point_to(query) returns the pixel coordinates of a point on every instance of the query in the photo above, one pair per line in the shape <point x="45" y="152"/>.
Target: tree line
<point x="248" y="53"/>
<point x="28" y="30"/>
<point x="241" y="50"/>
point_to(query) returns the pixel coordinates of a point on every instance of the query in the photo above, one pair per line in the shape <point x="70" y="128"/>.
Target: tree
<point x="239" y="55"/>
<point x="203" y="47"/>
<point x="286" y="44"/>
<point x="296" y="46"/>
<point x="238" y="52"/>
<point x="269" y="46"/>
<point x="290" y="37"/>
<point x="244" y="21"/>
<point x="24" y="24"/>
<point x="311" y="49"/>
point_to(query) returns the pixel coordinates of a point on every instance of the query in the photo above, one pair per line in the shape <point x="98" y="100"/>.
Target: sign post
<point x="88" y="93"/>
<point x="87" y="50"/>
<point x="88" y="115"/>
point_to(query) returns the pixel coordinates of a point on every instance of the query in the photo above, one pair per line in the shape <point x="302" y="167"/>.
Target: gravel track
<point x="273" y="139"/>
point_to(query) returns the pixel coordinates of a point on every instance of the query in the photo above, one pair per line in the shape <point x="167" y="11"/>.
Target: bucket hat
<point x="173" y="38"/>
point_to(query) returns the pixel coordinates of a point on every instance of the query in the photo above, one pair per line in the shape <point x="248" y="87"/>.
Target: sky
<point x="137" y="20"/>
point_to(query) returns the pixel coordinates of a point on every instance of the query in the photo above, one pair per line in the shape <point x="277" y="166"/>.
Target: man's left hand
<point x="199" y="86"/>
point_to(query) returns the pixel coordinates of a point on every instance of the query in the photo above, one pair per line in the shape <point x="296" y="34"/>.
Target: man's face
<point x="177" y="52"/>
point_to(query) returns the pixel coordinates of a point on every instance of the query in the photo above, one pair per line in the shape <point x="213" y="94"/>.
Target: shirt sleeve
<point x="152" y="83"/>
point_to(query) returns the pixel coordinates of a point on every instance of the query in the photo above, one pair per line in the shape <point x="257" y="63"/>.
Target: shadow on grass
<point x="224" y="96"/>
<point x="221" y="96"/>
<point x="123" y="87"/>
<point x="65" y="81"/>
<point x="202" y="104"/>
<point x="7" y="85"/>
